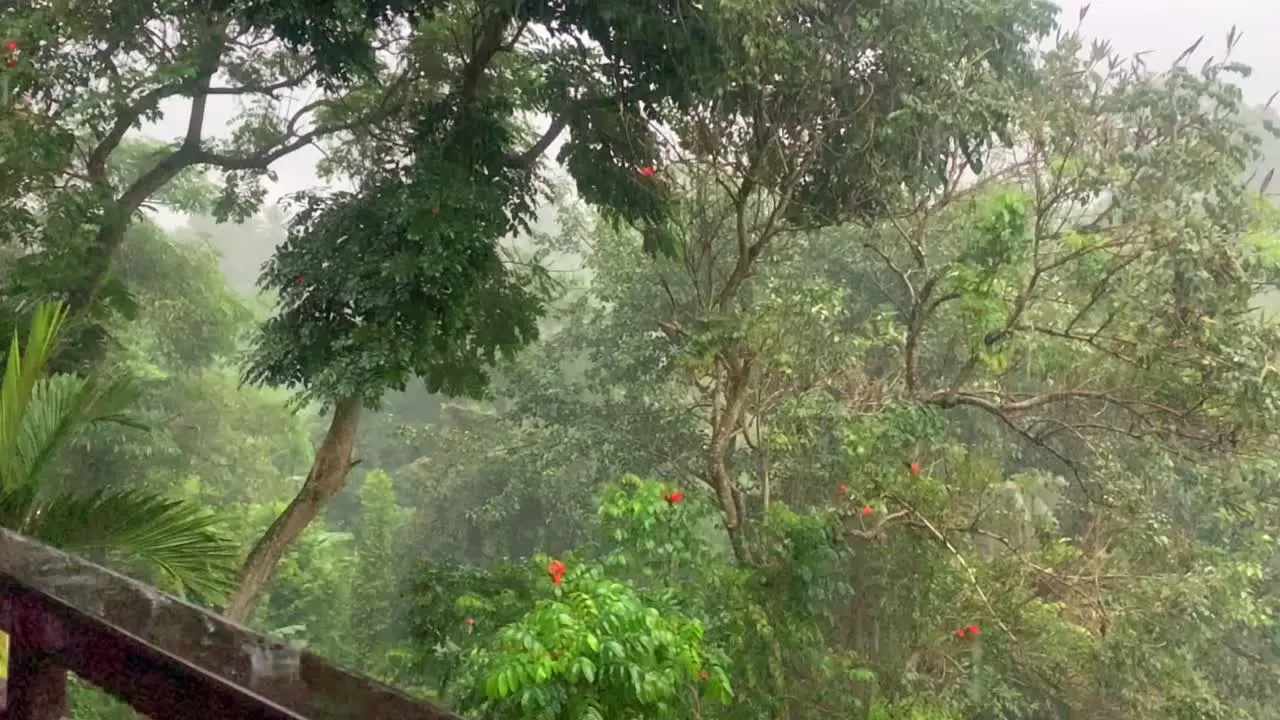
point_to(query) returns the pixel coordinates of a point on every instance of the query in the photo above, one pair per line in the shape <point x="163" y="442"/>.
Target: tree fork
<point x="118" y="215"/>
<point x="326" y="479"/>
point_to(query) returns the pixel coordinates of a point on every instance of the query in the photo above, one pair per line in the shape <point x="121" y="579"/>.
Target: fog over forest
<point x="770" y="360"/>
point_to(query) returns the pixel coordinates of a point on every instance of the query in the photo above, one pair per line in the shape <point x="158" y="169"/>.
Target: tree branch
<point x="128" y="117"/>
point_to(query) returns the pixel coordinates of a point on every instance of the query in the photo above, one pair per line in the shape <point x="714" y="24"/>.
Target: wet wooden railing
<point x="167" y="659"/>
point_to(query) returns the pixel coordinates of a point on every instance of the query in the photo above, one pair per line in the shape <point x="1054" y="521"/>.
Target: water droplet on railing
<point x="272" y="662"/>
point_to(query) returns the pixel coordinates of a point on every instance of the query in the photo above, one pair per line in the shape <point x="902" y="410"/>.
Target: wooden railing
<point x="167" y="659"/>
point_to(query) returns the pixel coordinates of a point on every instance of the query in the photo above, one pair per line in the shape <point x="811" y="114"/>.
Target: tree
<point x="209" y="437"/>
<point x="405" y="277"/>
<point x="380" y="566"/>
<point x="1039" y="400"/>
<point x="37" y="417"/>
<point x="974" y="313"/>
<point x="1066" y="253"/>
<point x="86" y="77"/>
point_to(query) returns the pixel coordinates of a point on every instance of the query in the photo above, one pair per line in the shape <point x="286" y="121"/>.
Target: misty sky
<point x="1164" y="27"/>
<point x="1167" y="27"/>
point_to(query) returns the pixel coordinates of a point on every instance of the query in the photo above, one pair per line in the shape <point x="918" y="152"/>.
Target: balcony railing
<point x="166" y="658"/>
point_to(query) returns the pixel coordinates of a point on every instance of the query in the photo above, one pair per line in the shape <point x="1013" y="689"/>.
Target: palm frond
<point x="16" y="504"/>
<point x="49" y="418"/>
<point x="38" y="416"/>
<point x="23" y="370"/>
<point x="61" y="406"/>
<point x="182" y="540"/>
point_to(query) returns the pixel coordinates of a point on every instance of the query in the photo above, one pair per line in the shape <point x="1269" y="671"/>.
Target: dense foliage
<point x="879" y="360"/>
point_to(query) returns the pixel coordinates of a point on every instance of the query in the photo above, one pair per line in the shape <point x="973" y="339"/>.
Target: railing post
<point x="37" y="686"/>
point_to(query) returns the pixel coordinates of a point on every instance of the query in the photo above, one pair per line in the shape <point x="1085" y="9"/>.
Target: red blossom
<point x="646" y="171"/>
<point x="960" y="632"/>
<point x="673" y="496"/>
<point x="867" y="510"/>
<point x="471" y="621"/>
<point x="842" y="489"/>
<point x="915" y="468"/>
<point x="555" y="569"/>
<point x="972" y="631"/>
<point x="12" y="45"/>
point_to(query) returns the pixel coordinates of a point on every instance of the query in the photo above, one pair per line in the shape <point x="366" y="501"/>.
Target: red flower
<point x="915" y="468"/>
<point x="471" y="621"/>
<point x="960" y="632"/>
<point x="12" y="45"/>
<point x="867" y="510"/>
<point x="842" y="489"/>
<point x="555" y="569"/>
<point x="646" y="171"/>
<point x="972" y="631"/>
<point x="298" y="280"/>
<point x="673" y="496"/>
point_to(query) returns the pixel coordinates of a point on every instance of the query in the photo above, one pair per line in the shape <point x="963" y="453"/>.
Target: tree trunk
<point x="328" y="475"/>
<point x="724" y="424"/>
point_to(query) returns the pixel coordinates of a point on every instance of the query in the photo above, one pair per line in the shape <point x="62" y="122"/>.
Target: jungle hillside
<point x="741" y="359"/>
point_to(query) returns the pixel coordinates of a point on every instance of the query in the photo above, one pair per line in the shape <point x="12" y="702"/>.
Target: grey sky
<point x="1167" y="27"/>
<point x="1163" y="27"/>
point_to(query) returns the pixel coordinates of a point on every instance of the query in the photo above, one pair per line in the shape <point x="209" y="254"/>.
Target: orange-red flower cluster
<point x="555" y="569"/>
<point x="12" y="47"/>
<point x="968" y="631"/>
<point x="673" y="496"/>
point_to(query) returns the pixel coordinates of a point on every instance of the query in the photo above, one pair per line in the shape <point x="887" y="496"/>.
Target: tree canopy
<point x="738" y="359"/>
